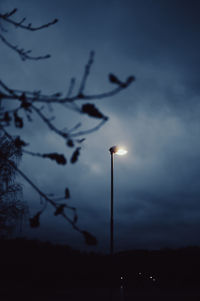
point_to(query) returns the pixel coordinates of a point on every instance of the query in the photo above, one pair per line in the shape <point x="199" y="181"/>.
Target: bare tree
<point x="34" y="102"/>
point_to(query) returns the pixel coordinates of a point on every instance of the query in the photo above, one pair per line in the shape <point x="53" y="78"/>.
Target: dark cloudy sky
<point x="157" y="191"/>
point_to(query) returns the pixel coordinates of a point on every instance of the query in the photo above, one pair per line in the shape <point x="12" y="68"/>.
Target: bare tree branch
<point x="24" y="54"/>
<point x="6" y="18"/>
<point x="86" y="74"/>
<point x="25" y="104"/>
<point x="59" y="208"/>
<point x="49" y="123"/>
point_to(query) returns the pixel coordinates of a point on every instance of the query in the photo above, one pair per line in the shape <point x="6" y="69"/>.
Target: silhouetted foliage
<point x="12" y="208"/>
<point x="19" y="143"/>
<point x="75" y="155"/>
<point x="114" y="80"/>
<point x="60" y="209"/>
<point x="67" y="193"/>
<point x="31" y="103"/>
<point x="60" y="159"/>
<point x="91" y="110"/>
<point x="35" y="220"/>
<point x="89" y="239"/>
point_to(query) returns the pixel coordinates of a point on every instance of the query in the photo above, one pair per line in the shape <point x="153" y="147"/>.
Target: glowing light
<point x="121" y="151"/>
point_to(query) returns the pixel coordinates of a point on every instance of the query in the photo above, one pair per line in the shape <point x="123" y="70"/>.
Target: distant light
<point x="121" y="278"/>
<point x="118" y="150"/>
<point x="150" y="277"/>
<point x="121" y="152"/>
<point x="154" y="279"/>
<point x="140" y="273"/>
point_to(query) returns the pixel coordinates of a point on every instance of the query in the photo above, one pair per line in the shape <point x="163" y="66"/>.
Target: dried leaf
<point x="7" y="117"/>
<point x="59" y="158"/>
<point x="130" y="79"/>
<point x="81" y="140"/>
<point x="18" y="121"/>
<point x="70" y="143"/>
<point x="75" y="155"/>
<point x="24" y="103"/>
<point x="67" y="193"/>
<point x="35" y="221"/>
<point x="19" y="143"/>
<point x="114" y="80"/>
<point x="92" y="111"/>
<point x="59" y="209"/>
<point x="89" y="238"/>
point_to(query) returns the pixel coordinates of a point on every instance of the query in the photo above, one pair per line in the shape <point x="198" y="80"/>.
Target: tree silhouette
<point x="12" y="208"/>
<point x="31" y="103"/>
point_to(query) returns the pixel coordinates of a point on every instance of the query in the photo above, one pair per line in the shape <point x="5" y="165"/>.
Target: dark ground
<point x="32" y="270"/>
<point x="98" y="294"/>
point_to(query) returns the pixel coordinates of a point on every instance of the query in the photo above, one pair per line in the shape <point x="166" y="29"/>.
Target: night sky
<point x="157" y="191"/>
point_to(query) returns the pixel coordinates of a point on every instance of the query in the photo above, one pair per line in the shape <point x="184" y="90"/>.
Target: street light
<point x="118" y="151"/>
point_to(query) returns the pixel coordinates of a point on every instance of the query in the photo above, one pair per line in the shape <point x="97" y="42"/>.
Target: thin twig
<point x="6" y="17"/>
<point x="86" y="73"/>
<point x="49" y="99"/>
<point x="86" y="132"/>
<point x="24" y="54"/>
<point x="48" y="123"/>
<point x="42" y="194"/>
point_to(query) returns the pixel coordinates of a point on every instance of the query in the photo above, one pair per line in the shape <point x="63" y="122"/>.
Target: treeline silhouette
<point x="34" y="264"/>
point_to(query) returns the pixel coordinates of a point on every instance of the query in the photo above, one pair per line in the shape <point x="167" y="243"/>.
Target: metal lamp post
<point x="118" y="151"/>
